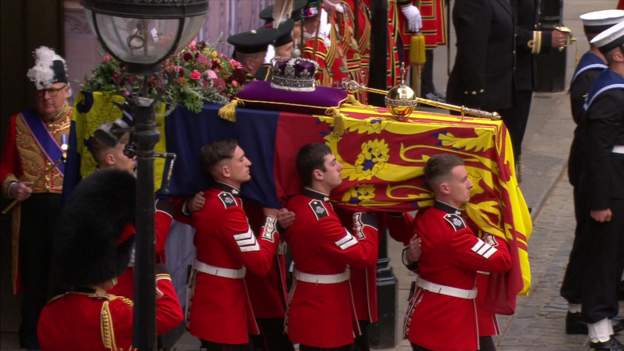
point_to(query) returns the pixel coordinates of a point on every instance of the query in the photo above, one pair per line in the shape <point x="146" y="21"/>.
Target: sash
<point x="589" y="61"/>
<point x="607" y="80"/>
<point x="44" y="139"/>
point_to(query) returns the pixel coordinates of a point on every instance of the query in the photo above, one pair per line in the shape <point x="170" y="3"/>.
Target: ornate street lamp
<point x="382" y="333"/>
<point x="142" y="33"/>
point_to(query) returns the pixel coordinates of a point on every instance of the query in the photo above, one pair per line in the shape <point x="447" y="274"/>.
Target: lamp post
<point x="379" y="47"/>
<point x="382" y="333"/>
<point x="142" y="33"/>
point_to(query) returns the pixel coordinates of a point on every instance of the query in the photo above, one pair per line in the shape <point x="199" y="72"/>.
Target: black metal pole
<point x="379" y="46"/>
<point x="146" y="136"/>
<point x="383" y="333"/>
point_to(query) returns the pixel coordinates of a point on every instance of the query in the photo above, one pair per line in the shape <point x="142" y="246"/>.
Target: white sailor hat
<point x="609" y="39"/>
<point x="49" y="68"/>
<point x="596" y="21"/>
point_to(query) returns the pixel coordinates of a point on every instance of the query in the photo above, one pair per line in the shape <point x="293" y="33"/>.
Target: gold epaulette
<point x="127" y="301"/>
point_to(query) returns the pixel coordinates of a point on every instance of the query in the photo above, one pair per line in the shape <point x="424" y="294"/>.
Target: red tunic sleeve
<point x="359" y="250"/>
<point x="256" y="254"/>
<point x="168" y="310"/>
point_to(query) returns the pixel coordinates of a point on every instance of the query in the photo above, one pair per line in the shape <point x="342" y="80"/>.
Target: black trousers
<point x="361" y="342"/>
<point x="486" y="343"/>
<point x="313" y="348"/>
<point x="426" y="78"/>
<point x="571" y="286"/>
<point x="38" y="220"/>
<point x="603" y="268"/>
<point x="272" y="336"/>
<point x="212" y="346"/>
<point x="419" y="348"/>
<point x="516" y="119"/>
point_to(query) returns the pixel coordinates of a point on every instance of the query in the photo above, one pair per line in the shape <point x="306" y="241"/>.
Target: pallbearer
<point x="321" y="313"/>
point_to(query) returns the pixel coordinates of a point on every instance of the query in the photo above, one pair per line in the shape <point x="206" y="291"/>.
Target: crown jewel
<point x="294" y="74"/>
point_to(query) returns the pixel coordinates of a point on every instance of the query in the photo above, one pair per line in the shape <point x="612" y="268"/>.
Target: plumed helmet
<point x="92" y="242"/>
<point x="49" y="68"/>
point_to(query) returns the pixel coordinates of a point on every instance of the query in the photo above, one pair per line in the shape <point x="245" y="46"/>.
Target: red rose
<point x="195" y="75"/>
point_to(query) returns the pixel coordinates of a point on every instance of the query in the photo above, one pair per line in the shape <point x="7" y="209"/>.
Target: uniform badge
<point x="227" y="199"/>
<point x="318" y="208"/>
<point x="455" y="221"/>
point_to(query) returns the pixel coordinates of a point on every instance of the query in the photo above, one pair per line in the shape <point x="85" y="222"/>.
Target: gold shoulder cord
<point x="107" y="331"/>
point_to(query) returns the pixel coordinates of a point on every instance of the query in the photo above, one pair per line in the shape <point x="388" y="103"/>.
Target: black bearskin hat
<point x="89" y="248"/>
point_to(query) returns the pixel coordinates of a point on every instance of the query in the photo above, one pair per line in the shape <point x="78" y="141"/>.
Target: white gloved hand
<point x="270" y="54"/>
<point x="334" y="6"/>
<point x="412" y="14"/>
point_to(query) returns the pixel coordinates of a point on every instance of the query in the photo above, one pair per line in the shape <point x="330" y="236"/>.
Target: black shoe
<point x="574" y="324"/>
<point x="610" y="345"/>
<point x="434" y="96"/>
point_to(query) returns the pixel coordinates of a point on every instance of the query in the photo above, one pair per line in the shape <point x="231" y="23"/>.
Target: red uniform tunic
<point x="268" y="292"/>
<point x="322" y="314"/>
<point x="23" y="158"/>
<point x="125" y="282"/>
<point x="331" y="70"/>
<point x="362" y="33"/>
<point x="434" y="19"/>
<point x="488" y="326"/>
<point x="363" y="279"/>
<point x="88" y="321"/>
<point x="220" y="310"/>
<point x="451" y="256"/>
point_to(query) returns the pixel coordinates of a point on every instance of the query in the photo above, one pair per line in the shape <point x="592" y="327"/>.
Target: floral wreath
<point x="196" y="75"/>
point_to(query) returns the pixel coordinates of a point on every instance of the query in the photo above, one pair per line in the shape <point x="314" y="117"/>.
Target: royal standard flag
<point x="382" y="160"/>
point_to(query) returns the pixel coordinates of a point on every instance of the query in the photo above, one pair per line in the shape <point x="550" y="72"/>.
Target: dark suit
<point x="517" y="116"/>
<point x="482" y="74"/>
<point x="263" y="73"/>
<point x="605" y="189"/>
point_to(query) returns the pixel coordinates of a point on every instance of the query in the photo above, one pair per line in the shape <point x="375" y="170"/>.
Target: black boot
<point x="610" y="345"/>
<point x="574" y="323"/>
